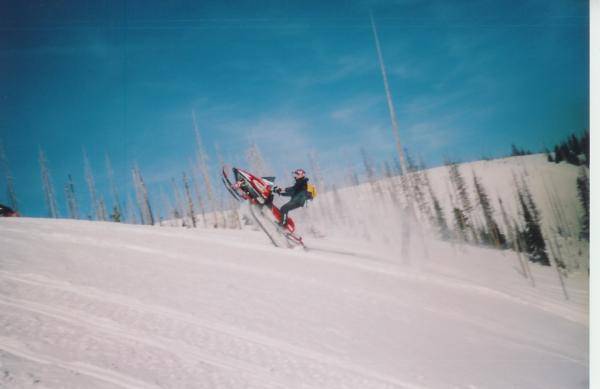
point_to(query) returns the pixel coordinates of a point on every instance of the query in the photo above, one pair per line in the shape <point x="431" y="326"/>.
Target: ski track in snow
<point x="74" y="330"/>
<point x="321" y="367"/>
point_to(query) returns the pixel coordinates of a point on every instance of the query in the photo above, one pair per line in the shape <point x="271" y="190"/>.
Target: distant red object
<point x="8" y="212"/>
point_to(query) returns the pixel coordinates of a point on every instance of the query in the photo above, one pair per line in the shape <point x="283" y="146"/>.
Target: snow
<point x="369" y="212"/>
<point x="107" y="305"/>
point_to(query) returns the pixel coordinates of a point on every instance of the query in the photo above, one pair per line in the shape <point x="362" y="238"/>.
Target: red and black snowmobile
<point x="258" y="192"/>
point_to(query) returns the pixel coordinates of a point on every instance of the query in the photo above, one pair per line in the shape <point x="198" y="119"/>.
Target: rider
<point x="298" y="193"/>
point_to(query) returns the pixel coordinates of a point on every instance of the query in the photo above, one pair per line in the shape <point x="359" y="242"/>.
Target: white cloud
<point x="355" y="108"/>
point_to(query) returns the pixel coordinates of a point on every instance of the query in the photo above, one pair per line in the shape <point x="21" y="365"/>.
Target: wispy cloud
<point x="282" y="139"/>
<point x="355" y="108"/>
<point x="340" y="69"/>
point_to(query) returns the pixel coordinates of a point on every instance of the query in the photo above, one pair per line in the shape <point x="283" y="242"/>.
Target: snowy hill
<point x="105" y="305"/>
<point x="371" y="211"/>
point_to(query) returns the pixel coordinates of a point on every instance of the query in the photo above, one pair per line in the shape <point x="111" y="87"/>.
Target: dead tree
<point x="71" y="198"/>
<point x="47" y="186"/>
<point x="190" y="203"/>
<point x="202" y="159"/>
<point x="113" y="188"/>
<point x="89" y="178"/>
<point x="142" y="197"/>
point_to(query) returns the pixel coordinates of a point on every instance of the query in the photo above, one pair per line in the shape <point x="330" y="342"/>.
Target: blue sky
<point x="122" y="78"/>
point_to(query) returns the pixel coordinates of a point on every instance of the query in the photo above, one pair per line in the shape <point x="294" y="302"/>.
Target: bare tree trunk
<point x="89" y="178"/>
<point x="113" y="187"/>
<point x="47" y="186"/>
<point x="324" y="203"/>
<point x="231" y="204"/>
<point x="167" y="208"/>
<point x="555" y="258"/>
<point x="142" y="197"/>
<point x="399" y="149"/>
<point x="71" y="199"/>
<point x="256" y="161"/>
<point x="178" y="210"/>
<point x="199" y="195"/>
<point x="102" y="209"/>
<point x="524" y="261"/>
<point x="130" y="211"/>
<point x="203" y="166"/>
<point x="190" y="203"/>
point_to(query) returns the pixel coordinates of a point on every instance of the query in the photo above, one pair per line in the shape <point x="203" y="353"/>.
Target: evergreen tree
<point x="463" y="212"/>
<point x="440" y="219"/>
<point x="506" y="221"/>
<point x="584" y="142"/>
<point x="492" y="232"/>
<point x="574" y="150"/>
<point x="422" y="187"/>
<point x="460" y="187"/>
<point x="460" y="221"/>
<point x="574" y="145"/>
<point x="530" y="203"/>
<point x="558" y="154"/>
<point x="515" y="151"/>
<point x="573" y="158"/>
<point x="116" y="214"/>
<point x="583" y="192"/>
<point x="564" y="151"/>
<point x="531" y="235"/>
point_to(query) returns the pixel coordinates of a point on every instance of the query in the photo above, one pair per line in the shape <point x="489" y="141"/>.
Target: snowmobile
<point x="258" y="193"/>
<point x="6" y="211"/>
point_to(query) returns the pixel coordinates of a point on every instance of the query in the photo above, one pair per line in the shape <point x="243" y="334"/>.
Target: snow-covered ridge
<point x="105" y="305"/>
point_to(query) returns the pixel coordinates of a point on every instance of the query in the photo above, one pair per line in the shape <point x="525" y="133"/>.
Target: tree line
<point x="192" y="200"/>
<point x="574" y="150"/>
<point x="475" y="217"/>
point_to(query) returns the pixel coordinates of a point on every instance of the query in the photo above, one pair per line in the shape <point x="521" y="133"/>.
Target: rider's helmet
<point x="299" y="173"/>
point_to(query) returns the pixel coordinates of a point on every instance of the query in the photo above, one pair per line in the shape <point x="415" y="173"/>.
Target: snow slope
<point x="104" y="305"/>
<point x="369" y="212"/>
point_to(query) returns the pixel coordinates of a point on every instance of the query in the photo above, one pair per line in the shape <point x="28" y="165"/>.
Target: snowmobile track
<point x="255" y="358"/>
<point x="262" y="227"/>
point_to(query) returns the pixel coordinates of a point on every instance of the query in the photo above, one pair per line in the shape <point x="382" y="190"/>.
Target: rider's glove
<point x="277" y="189"/>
